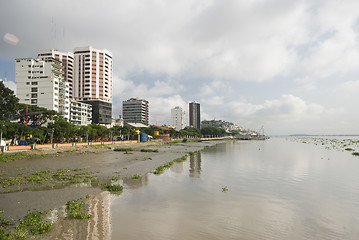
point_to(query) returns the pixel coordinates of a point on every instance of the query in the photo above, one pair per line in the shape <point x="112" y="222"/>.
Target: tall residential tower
<point x="194" y="115"/>
<point x="93" y="74"/>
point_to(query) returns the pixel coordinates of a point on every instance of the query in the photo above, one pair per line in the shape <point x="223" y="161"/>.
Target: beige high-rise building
<point x="92" y="74"/>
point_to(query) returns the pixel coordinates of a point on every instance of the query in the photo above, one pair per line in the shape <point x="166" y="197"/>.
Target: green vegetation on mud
<point x="46" y="176"/>
<point x="149" y="150"/>
<point x="112" y="187"/>
<point x="32" y="223"/>
<point x="76" y="208"/>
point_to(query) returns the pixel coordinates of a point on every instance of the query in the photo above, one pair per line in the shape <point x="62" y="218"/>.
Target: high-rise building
<point x="178" y="118"/>
<point x="92" y="74"/>
<point x="194" y="115"/>
<point x="85" y="75"/>
<point x="41" y="83"/>
<point x="135" y="110"/>
<point x="67" y="60"/>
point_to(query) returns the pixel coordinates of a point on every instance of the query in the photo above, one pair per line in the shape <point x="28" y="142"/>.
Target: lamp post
<point x="52" y="137"/>
<point x="2" y="150"/>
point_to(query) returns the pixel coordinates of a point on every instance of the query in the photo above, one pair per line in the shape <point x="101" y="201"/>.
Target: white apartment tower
<point x="67" y="60"/>
<point x="41" y="83"/>
<point x="92" y="74"/>
<point x="178" y="118"/>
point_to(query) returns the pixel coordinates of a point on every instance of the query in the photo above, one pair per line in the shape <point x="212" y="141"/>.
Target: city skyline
<point x="292" y="67"/>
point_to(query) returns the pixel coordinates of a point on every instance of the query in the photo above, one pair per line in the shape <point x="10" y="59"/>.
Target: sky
<point x="289" y="66"/>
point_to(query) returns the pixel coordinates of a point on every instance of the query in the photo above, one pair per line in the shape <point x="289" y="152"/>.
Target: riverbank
<point x="33" y="182"/>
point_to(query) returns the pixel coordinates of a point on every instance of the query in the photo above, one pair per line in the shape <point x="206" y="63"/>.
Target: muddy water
<point x="277" y="189"/>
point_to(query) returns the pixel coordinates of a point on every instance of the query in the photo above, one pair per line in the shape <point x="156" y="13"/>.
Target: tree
<point x="8" y="103"/>
<point x="62" y="128"/>
<point x="212" y="131"/>
<point x="193" y="132"/>
<point x="41" y="117"/>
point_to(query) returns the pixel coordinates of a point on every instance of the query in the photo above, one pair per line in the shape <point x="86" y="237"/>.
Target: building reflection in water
<point x="136" y="183"/>
<point x="195" y="165"/>
<point x="97" y="227"/>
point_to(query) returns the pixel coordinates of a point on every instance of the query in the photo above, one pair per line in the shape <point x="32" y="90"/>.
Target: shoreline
<point x="101" y="163"/>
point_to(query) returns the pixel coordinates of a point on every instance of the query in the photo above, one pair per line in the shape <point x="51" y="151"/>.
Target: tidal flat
<point x="48" y="179"/>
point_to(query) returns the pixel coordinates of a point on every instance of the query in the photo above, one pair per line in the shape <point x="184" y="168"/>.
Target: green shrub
<point x="355" y="153"/>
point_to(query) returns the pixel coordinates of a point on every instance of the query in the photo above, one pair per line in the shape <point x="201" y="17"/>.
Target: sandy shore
<point x="102" y="162"/>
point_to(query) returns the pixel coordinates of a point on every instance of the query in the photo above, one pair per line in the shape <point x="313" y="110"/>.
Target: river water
<point x="277" y="189"/>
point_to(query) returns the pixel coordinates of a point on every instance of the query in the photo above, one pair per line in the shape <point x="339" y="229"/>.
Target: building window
<point x="34" y="89"/>
<point x="28" y="83"/>
<point x="33" y="95"/>
<point x="34" y="83"/>
<point x="33" y="101"/>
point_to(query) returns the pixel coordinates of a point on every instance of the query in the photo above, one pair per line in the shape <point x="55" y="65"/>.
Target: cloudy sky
<point x="290" y="66"/>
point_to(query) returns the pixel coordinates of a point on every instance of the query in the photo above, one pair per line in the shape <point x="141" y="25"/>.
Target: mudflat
<point x="100" y="163"/>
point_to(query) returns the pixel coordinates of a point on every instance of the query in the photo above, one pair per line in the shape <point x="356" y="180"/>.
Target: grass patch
<point x="9" y="157"/>
<point x="168" y="165"/>
<point x="76" y="209"/>
<point x="136" y="176"/>
<point x="61" y="175"/>
<point x="32" y="223"/>
<point x="149" y="150"/>
<point x="159" y="170"/>
<point x="122" y="149"/>
<point x="355" y="153"/>
<point x="112" y="187"/>
<point x="181" y="159"/>
<point x="115" y="179"/>
<point x="349" y="149"/>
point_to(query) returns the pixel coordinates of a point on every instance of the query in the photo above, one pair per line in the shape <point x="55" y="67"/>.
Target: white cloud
<point x="351" y="87"/>
<point x="170" y="52"/>
<point x="162" y="96"/>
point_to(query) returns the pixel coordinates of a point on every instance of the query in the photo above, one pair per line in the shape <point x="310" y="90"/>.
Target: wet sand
<point x="103" y="162"/>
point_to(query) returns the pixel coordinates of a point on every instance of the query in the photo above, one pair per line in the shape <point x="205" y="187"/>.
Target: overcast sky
<point x="290" y="66"/>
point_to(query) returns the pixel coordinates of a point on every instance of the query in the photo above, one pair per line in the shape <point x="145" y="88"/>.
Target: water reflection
<point x="136" y="183"/>
<point x="99" y="226"/>
<point x="195" y="165"/>
<point x="277" y="190"/>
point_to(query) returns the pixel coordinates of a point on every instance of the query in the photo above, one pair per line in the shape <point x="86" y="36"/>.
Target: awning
<point x="137" y="125"/>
